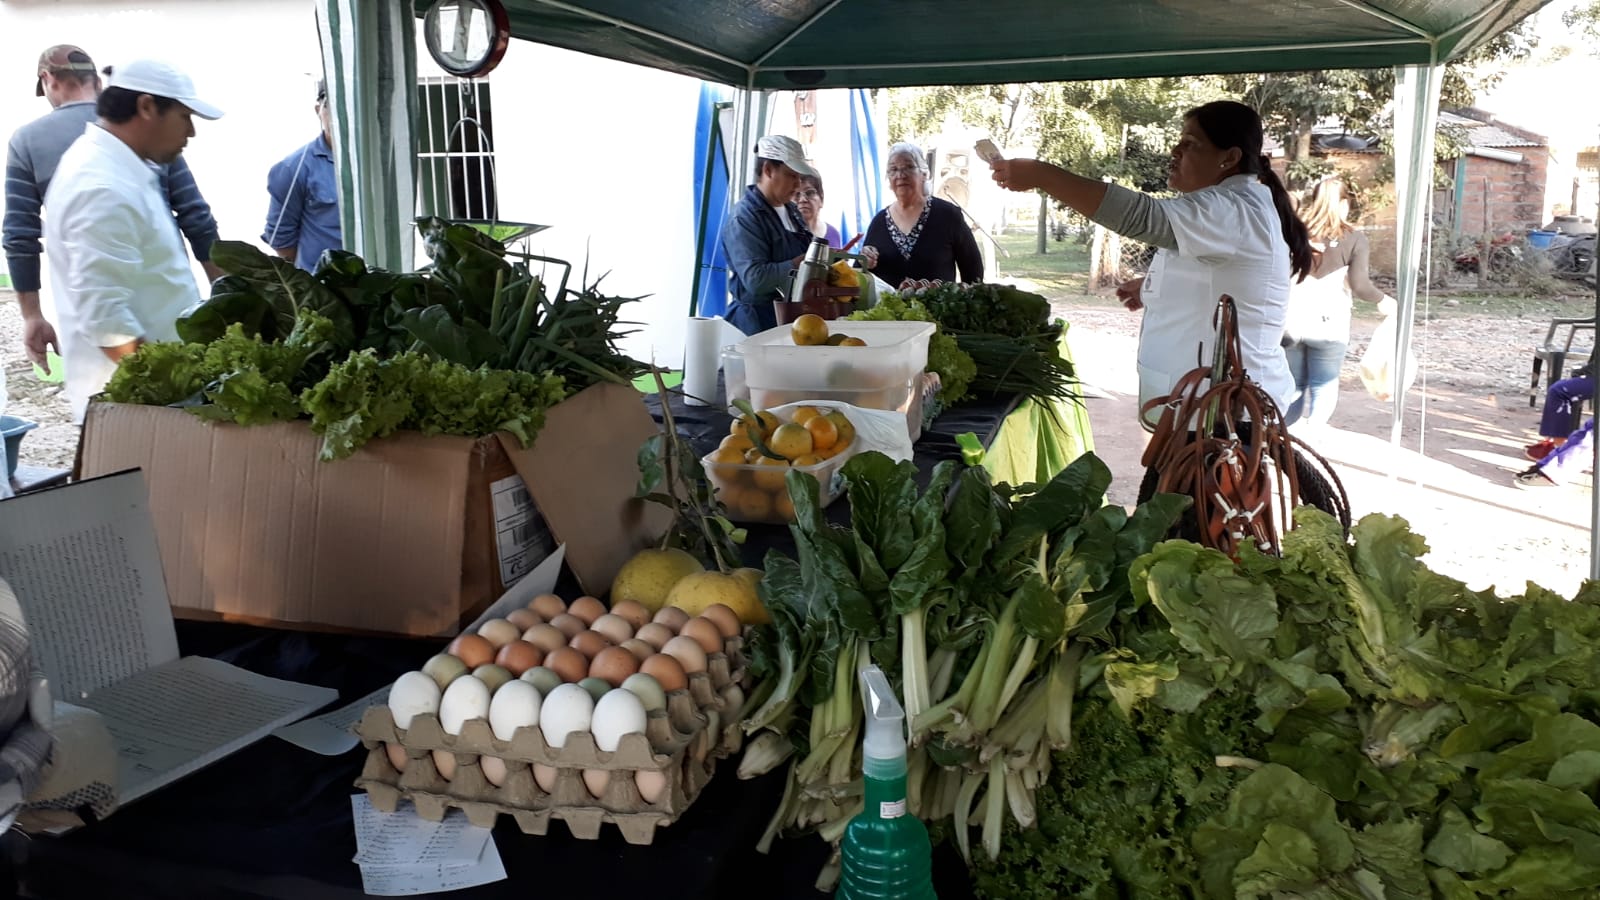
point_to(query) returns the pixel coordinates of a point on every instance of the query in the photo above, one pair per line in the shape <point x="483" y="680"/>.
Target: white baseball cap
<point x="786" y="150"/>
<point x="149" y="76"/>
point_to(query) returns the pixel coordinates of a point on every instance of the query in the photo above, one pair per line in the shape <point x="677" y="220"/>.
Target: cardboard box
<point x="411" y="534"/>
<point x="682" y="743"/>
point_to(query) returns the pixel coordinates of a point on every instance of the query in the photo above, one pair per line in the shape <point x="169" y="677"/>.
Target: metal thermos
<point x="813" y="267"/>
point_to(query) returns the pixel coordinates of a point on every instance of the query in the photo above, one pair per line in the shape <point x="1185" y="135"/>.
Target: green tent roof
<point x="788" y="44"/>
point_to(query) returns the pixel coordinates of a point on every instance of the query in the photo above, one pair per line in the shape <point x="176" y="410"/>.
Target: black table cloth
<point x="274" y="820"/>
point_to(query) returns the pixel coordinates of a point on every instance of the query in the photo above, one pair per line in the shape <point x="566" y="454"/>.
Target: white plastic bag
<point x="883" y="430"/>
<point x="1377" y="363"/>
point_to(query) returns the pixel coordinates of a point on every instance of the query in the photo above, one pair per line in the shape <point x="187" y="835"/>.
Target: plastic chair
<point x="1556" y="352"/>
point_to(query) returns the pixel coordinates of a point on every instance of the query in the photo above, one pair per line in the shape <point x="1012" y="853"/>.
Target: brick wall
<point x="1510" y="194"/>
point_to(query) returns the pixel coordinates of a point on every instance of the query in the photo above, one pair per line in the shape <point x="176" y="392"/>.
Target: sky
<point x="1554" y="97"/>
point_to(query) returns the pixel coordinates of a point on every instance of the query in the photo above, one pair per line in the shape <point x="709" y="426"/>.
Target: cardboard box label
<point x="521" y="538"/>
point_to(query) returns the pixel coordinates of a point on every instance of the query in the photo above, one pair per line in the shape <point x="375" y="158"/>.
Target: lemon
<point x="736" y="590"/>
<point x="650" y="576"/>
<point x="809" y="331"/>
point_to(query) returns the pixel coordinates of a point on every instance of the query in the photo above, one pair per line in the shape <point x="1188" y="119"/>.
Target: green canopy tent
<point x="767" y="45"/>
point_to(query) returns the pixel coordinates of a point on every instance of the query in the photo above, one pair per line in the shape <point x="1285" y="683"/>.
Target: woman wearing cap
<point x="920" y="240"/>
<point x="1232" y="231"/>
<point x="809" y="200"/>
<point x="766" y="237"/>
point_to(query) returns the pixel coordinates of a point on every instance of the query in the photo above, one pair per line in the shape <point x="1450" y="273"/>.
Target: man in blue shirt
<point x="303" y="220"/>
<point x="67" y="78"/>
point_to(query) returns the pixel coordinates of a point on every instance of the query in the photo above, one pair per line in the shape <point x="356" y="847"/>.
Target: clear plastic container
<point x="903" y="398"/>
<point x="895" y="353"/>
<point x="756" y="493"/>
<point x="733" y="381"/>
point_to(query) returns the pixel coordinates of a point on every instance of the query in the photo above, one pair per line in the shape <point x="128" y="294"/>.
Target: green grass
<point x="1062" y="270"/>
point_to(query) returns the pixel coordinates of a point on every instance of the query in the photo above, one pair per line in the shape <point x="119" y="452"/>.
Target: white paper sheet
<point x="409" y="881"/>
<point x="84" y="565"/>
<point x="184" y="715"/>
<point x="402" y="854"/>
<point x="331" y="734"/>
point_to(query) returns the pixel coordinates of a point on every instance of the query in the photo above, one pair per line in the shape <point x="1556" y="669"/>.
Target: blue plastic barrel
<point x="1540" y="240"/>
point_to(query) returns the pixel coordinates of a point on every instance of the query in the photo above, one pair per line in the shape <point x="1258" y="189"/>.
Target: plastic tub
<point x="896" y="352"/>
<point x="902" y="398"/>
<point x="13" y="428"/>
<point x="733" y="381"/>
<point x="754" y="493"/>
<point x="1540" y="240"/>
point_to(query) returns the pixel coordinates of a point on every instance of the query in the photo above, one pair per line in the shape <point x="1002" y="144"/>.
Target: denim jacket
<point x="761" y="256"/>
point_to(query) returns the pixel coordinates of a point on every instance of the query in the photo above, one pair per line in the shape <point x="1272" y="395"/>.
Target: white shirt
<point x="117" y="263"/>
<point x="783" y="216"/>
<point x="1230" y="241"/>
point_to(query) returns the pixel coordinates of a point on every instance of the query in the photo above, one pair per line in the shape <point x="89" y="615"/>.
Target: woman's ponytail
<point x="1302" y="258"/>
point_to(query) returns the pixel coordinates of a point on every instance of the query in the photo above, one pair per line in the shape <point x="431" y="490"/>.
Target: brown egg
<point x="633" y="611"/>
<point x="499" y="632"/>
<point x="596" y="780"/>
<point x="655" y="634"/>
<point x="524" y="618"/>
<point x="640" y="650"/>
<point x="587" y="608"/>
<point x="666" y="670"/>
<point x="569" y="625"/>
<point x="519" y="657"/>
<point x="687" y="651"/>
<point x="472" y="649"/>
<point x="588" y="643"/>
<point x="445" y="762"/>
<point x="613" y="665"/>
<point x="494" y="769"/>
<point x="397" y="756"/>
<point x="672" y="617"/>
<point x="568" y="663"/>
<point x="614" y="627"/>
<point x="651" y="784"/>
<point x="545" y="777"/>
<point x="548" y="606"/>
<point x="705" y="633"/>
<point x="546" y="637"/>
<point x="727" y="620"/>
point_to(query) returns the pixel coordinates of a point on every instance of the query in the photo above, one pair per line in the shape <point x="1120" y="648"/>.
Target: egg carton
<point x="682" y="744"/>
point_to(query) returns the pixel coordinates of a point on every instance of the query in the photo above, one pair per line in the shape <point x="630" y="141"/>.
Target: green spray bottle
<point x="885" y="853"/>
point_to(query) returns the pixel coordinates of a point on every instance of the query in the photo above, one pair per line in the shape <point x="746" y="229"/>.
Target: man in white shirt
<point x="117" y="263"/>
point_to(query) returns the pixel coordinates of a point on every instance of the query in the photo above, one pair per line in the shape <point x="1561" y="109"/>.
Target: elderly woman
<point x="809" y="199"/>
<point x="765" y="238"/>
<point x="918" y="238"/>
<point x="1232" y="231"/>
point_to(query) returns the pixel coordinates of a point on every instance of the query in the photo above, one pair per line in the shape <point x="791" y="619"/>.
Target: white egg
<point x="465" y="699"/>
<point x="515" y="705"/>
<point x="414" y="694"/>
<point x="567" y="709"/>
<point x="618" y="713"/>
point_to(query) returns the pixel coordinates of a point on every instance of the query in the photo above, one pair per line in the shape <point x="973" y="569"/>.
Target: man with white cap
<point x="766" y="238"/>
<point x="117" y="263"/>
<point x="68" y="80"/>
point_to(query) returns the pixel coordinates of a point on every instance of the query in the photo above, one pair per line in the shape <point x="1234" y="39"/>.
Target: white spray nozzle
<point x="886" y="732"/>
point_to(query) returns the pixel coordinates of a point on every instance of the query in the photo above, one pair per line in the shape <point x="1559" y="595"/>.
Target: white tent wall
<point x="1416" y="113"/>
<point x="264" y="84"/>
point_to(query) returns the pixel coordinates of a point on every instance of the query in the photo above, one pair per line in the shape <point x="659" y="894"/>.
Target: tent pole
<point x="1594" y="409"/>
<point x="713" y="144"/>
<point x="1416" y="112"/>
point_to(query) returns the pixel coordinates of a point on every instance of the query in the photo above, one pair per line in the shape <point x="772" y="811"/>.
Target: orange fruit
<point x="852" y="342"/>
<point x="782" y="506"/>
<point x="766" y="420"/>
<point x="810" y="459"/>
<point x="756" y="505"/>
<point x="739" y="442"/>
<point x="791" y="440"/>
<point x="730" y="495"/>
<point x="824" y="433"/>
<point x="809" y="331"/>
<point x="805" y="414"/>
<point x="752" y="456"/>
<point x="770" y="474"/>
<point x="727" y="456"/>
<point x="847" y="432"/>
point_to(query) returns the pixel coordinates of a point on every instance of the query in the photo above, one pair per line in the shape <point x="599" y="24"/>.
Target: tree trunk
<point x="1044" y="222"/>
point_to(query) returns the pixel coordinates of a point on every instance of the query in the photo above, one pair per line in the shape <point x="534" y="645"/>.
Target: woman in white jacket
<point x="1231" y="231"/>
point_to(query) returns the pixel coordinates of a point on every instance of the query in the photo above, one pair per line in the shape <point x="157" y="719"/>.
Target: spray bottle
<point x="885" y="851"/>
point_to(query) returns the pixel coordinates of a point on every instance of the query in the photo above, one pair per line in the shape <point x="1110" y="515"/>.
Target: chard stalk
<point x="765" y="753"/>
<point x="828" y="878"/>
<point x="778" y="700"/>
<point x="959" y="702"/>
<point x="786" y="808"/>
<point x="1019" y="671"/>
<point x="1026" y="719"/>
<point x="985" y="707"/>
<point x="1021" y="800"/>
<point x="963" y="809"/>
<point x="1063" y="687"/>
<point x="817" y="761"/>
<point x="943" y="664"/>
<point x="916" y="774"/>
<point x="994" y="813"/>
<point x="497" y="306"/>
<point x="914" y="662"/>
<point x="833" y="829"/>
<point x="841" y="768"/>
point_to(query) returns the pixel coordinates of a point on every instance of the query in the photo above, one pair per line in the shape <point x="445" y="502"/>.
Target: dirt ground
<point x="1462" y="438"/>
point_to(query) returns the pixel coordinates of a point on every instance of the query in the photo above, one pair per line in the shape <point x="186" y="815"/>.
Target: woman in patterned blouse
<point x="921" y="240"/>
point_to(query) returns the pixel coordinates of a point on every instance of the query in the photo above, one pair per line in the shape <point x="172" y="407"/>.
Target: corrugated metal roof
<point x="1488" y="134"/>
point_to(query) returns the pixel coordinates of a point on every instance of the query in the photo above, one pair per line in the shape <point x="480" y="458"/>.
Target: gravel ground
<point x="1462" y="438"/>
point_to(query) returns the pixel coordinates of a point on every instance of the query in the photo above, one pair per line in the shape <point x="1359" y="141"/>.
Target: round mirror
<point x="467" y="38"/>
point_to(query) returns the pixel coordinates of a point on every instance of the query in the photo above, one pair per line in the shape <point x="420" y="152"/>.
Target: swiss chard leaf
<point x="882" y="492"/>
<point x="973" y="522"/>
<point x="465" y="343"/>
<point x="286" y="289"/>
<point x="1065" y="499"/>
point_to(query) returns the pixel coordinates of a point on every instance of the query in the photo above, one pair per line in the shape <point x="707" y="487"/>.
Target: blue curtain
<point x="713" y="266"/>
<point x="866" y="167"/>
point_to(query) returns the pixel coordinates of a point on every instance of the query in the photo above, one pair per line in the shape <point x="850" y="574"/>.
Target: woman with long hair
<point x="1231" y="231"/>
<point x="1318" y="330"/>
